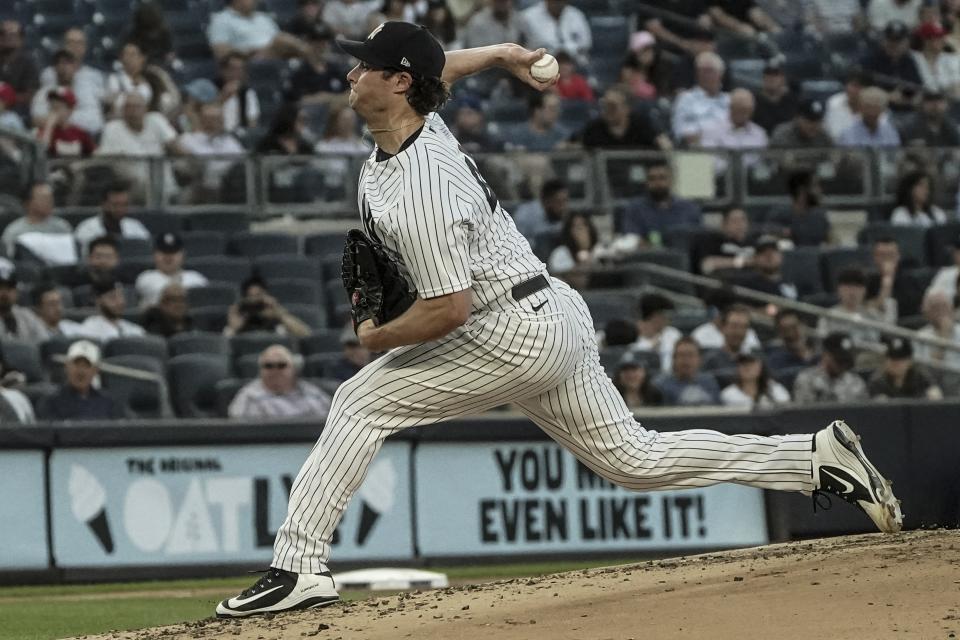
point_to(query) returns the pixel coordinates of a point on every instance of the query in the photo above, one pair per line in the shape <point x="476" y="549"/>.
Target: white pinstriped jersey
<point x="429" y="207"/>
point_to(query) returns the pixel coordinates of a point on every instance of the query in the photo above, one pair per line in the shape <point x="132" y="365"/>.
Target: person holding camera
<point x="259" y="311"/>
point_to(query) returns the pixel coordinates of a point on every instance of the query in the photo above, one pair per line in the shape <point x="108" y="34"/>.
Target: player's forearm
<point x="424" y="321"/>
<point x="465" y="62"/>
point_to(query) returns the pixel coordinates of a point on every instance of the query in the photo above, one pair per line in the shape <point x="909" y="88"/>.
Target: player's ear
<point x="403" y="81"/>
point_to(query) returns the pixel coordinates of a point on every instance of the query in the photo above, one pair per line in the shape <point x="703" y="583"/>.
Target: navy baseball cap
<point x="399" y="46"/>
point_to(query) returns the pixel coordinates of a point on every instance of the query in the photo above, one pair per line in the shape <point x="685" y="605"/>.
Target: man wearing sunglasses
<point x="278" y="393"/>
<point x="489" y="327"/>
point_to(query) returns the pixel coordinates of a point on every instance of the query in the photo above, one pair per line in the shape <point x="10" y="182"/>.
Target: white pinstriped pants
<point x="547" y="363"/>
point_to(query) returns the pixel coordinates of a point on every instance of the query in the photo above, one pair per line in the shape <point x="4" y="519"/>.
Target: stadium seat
<point x="192" y="379"/>
<point x="160" y="222"/>
<point x="215" y="293"/>
<point x="247" y="367"/>
<point x="801" y="266"/>
<point x="129" y="268"/>
<point x="140" y="398"/>
<point x="940" y="241"/>
<point x="256" y="341"/>
<point x="323" y="341"/>
<point x="201" y="244"/>
<point x="833" y="260"/>
<point x="221" y="268"/>
<point x="315" y="366"/>
<point x="610" y="35"/>
<point x="135" y="248"/>
<point x="338" y="305"/>
<point x="222" y="221"/>
<point x="275" y="268"/>
<point x="911" y="240"/>
<point x="296" y="291"/>
<point x="151" y="346"/>
<point x="22" y="356"/>
<point x="198" y="342"/>
<point x="209" y="318"/>
<point x="324" y="244"/>
<point x="609" y="304"/>
<point x="252" y="244"/>
<point x="226" y="391"/>
<point x="314" y="316"/>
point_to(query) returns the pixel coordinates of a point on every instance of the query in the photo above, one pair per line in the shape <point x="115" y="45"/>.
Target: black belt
<point x="529" y="287"/>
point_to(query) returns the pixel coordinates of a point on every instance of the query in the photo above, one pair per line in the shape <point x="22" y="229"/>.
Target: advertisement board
<point x="535" y="497"/>
<point x="23" y="511"/>
<point x="210" y="505"/>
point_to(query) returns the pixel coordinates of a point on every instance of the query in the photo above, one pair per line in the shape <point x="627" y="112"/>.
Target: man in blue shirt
<point x="687" y="386"/>
<point x="77" y="399"/>
<point x="650" y="215"/>
<point x="870" y="129"/>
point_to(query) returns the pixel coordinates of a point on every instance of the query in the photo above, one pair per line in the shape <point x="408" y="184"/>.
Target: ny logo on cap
<point x="405" y="62"/>
<point x="375" y="31"/>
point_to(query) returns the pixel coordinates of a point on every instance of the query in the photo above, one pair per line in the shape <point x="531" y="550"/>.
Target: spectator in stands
<point x="15" y="407"/>
<point x="897" y="293"/>
<point x="775" y="103"/>
<point x="210" y="140"/>
<point x="59" y="136"/>
<point x="16" y="321"/>
<point x="939" y="69"/>
<point x="742" y="16"/>
<point x="767" y="276"/>
<point x="686" y="385"/>
<point x="931" y="126"/>
<point x="705" y="103"/>
<point x="617" y="332"/>
<point x="792" y="347"/>
<point x="439" y="21"/>
<point x="571" y="84"/>
<point x="547" y="214"/>
<point x="946" y="280"/>
<point x="833" y="379"/>
<point x="646" y="71"/>
<point x="242" y="29"/>
<point x="108" y="322"/>
<point x="113" y="219"/>
<point x="852" y="292"/>
<point x="399" y="10"/>
<point x="103" y="256"/>
<point x="844" y="107"/>
<point x="470" y="128"/>
<point x="880" y="13"/>
<point x="753" y="387"/>
<point x="635" y="383"/>
<point x="83" y="82"/>
<point x="555" y="25"/>
<point x="151" y="33"/>
<point x="805" y="130"/>
<point x="241" y="107"/>
<point x="495" y="23"/>
<point x="900" y="377"/>
<point x="18" y="68"/>
<point x="938" y="309"/>
<point x="736" y="130"/>
<point x="654" y="333"/>
<point x="319" y="79"/>
<point x="574" y="256"/>
<point x="804" y="222"/>
<point x="168" y="256"/>
<point x="170" y="315"/>
<point x="829" y="17"/>
<point x="341" y="135"/>
<point x="730" y="249"/>
<point x="259" y="311"/>
<point x="38" y="219"/>
<point x="48" y="308"/>
<point x="709" y="335"/>
<point x="648" y="216"/>
<point x="278" y="393"/>
<point x="135" y="77"/>
<point x="892" y="66"/>
<point x="78" y="399"/>
<point x="617" y="127"/>
<point x="348" y="18"/>
<point x="542" y="131"/>
<point x="691" y="33"/>
<point x="914" y="207"/>
<point x="197" y="93"/>
<point x="353" y="358"/>
<point x="306" y="19"/>
<point x="9" y="119"/>
<point x="286" y="134"/>
<point x="734" y="327"/>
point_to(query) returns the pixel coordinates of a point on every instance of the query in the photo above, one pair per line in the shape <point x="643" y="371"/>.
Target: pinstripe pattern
<point x="428" y="209"/>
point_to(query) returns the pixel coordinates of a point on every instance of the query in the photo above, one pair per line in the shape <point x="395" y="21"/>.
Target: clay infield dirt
<point x="856" y="587"/>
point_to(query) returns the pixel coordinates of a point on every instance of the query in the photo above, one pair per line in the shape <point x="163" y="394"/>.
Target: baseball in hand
<point x="545" y="69"/>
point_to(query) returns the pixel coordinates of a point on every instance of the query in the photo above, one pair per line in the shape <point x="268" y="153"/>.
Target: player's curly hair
<point x="425" y="95"/>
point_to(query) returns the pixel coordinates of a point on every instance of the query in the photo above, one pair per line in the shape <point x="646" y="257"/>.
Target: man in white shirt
<point x="87" y="86"/>
<point x="113" y="219"/>
<point x="168" y="259"/>
<point x="556" y="26"/>
<point x="736" y="131"/>
<point x="277" y="393"/>
<point x="494" y="24"/>
<point x="108" y="323"/>
<point x="48" y="307"/>
<point x="706" y="102"/>
<point x="945" y="281"/>
<point x="241" y="28"/>
<point x="844" y="107"/>
<point x="33" y="229"/>
<point x="350" y="18"/>
<point x="211" y="140"/>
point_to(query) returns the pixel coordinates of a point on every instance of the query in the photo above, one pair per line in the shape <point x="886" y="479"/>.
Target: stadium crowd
<point x="253" y="324"/>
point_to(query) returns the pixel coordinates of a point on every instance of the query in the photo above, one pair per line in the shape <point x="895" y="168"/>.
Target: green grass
<point x="58" y="611"/>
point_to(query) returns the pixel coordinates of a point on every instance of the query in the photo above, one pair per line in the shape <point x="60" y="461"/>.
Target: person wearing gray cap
<point x="900" y="377"/>
<point x="805" y="129"/>
<point x="833" y="380"/>
<point x="77" y="398"/>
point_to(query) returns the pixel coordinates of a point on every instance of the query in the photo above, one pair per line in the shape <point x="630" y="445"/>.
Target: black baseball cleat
<point x="841" y="468"/>
<point x="278" y="590"/>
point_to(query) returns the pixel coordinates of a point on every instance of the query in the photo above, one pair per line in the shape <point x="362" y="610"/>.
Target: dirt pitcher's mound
<point x="857" y="587"/>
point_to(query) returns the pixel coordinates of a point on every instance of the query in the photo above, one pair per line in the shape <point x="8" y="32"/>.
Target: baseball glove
<point x="373" y="282"/>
